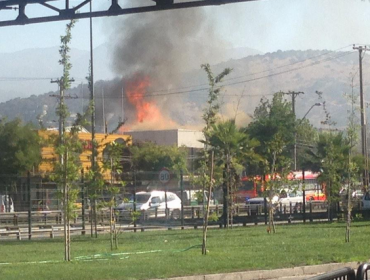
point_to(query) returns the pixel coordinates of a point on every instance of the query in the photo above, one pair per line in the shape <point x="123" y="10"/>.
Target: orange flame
<point x="146" y="111"/>
<point x="135" y="91"/>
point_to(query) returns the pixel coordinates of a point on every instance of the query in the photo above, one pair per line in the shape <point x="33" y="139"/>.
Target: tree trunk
<point x="205" y="225"/>
<point x="111" y="230"/>
<point x="225" y="200"/>
<point x="349" y="209"/>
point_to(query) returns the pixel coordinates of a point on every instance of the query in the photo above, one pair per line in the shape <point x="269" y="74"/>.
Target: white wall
<point x="178" y="137"/>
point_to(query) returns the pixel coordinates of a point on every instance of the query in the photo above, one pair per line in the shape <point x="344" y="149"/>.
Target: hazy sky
<point x="266" y="25"/>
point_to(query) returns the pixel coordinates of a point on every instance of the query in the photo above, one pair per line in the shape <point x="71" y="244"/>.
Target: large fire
<point x="148" y="115"/>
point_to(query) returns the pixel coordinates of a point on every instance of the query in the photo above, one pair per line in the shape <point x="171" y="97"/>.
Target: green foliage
<point x="135" y="216"/>
<point x="272" y="126"/>
<point x="150" y="157"/>
<point x="231" y="145"/>
<point x="331" y="159"/>
<point x="199" y="197"/>
<point x="213" y="217"/>
<point x="64" y="54"/>
<point x="20" y="148"/>
<point x="358" y="217"/>
<point x="210" y="113"/>
<point x="307" y="137"/>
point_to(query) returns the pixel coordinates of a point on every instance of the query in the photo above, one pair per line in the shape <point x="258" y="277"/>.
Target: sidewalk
<point x="296" y="273"/>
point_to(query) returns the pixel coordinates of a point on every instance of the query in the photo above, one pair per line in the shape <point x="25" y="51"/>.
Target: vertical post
<point x="304" y="195"/>
<point x="363" y="121"/>
<point x="265" y="206"/>
<point x="182" y="198"/>
<point x="83" y="202"/>
<point x="29" y="205"/>
<point x="225" y="198"/>
<point x="165" y="201"/>
<point x="7" y="200"/>
<point x="93" y="216"/>
<point x="122" y="113"/>
<point x="134" y="197"/>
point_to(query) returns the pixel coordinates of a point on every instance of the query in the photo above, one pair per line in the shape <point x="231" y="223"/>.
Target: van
<point x="6" y="204"/>
<point x="195" y="197"/>
<point x="154" y="203"/>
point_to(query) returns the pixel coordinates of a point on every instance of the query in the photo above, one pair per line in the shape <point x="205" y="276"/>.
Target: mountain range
<point x="254" y="75"/>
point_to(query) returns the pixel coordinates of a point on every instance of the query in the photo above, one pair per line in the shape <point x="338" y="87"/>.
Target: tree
<point x="112" y="163"/>
<point x="231" y="147"/>
<point x="68" y="147"/>
<point x="150" y="158"/>
<point x="20" y="149"/>
<point x="206" y="166"/>
<point x="307" y="136"/>
<point x="273" y="126"/>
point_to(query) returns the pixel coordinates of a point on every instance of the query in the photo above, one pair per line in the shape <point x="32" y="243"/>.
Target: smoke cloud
<point x="161" y="46"/>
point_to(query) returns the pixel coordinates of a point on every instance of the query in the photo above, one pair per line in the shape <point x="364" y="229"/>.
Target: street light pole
<point x="295" y="134"/>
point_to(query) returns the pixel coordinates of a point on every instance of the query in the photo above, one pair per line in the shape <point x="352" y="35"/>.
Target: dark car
<point x="256" y="205"/>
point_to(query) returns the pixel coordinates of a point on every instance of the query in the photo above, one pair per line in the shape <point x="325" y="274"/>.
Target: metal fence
<point x="346" y="273"/>
<point x="178" y="202"/>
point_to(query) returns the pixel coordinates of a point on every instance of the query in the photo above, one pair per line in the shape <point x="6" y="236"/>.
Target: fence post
<point x="83" y="202"/>
<point x="182" y="198"/>
<point x="265" y="205"/>
<point x="311" y="219"/>
<point x="304" y="195"/>
<point x="362" y="271"/>
<point x="29" y="205"/>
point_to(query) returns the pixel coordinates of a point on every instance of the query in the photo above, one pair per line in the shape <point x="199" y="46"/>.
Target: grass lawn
<point x="159" y="254"/>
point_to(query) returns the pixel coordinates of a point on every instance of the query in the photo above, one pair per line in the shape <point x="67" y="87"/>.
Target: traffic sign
<point x="164" y="176"/>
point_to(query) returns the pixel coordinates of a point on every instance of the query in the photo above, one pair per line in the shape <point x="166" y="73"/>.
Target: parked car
<point x="6" y="204"/>
<point x="365" y="201"/>
<point x="154" y="203"/>
<point x="290" y="197"/>
<point x="256" y="205"/>
<point x="195" y="197"/>
<point x="358" y="199"/>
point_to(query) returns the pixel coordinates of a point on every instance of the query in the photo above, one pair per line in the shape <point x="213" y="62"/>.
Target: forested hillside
<point x="252" y="78"/>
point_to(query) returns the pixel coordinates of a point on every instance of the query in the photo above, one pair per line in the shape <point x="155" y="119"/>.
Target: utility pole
<point x="365" y="178"/>
<point x="62" y="98"/>
<point x="93" y="150"/>
<point x="294" y="94"/>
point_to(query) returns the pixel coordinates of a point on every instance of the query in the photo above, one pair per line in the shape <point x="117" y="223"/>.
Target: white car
<point x="365" y="201"/>
<point x="6" y="204"/>
<point x="154" y="203"/>
<point x="288" y="197"/>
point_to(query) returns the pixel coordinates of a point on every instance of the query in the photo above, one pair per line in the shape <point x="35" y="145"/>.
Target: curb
<point x="271" y="274"/>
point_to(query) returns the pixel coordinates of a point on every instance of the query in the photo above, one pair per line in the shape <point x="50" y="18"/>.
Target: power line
<point x="260" y="72"/>
<point x="289" y="64"/>
<point x="206" y="88"/>
<point x="163" y="90"/>
<point x="150" y="94"/>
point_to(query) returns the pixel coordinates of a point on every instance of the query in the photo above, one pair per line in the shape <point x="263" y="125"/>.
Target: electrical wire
<point x="180" y="91"/>
<point x="150" y="94"/>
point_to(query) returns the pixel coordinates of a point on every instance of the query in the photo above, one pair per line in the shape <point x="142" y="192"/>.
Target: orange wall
<point x="48" y="154"/>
